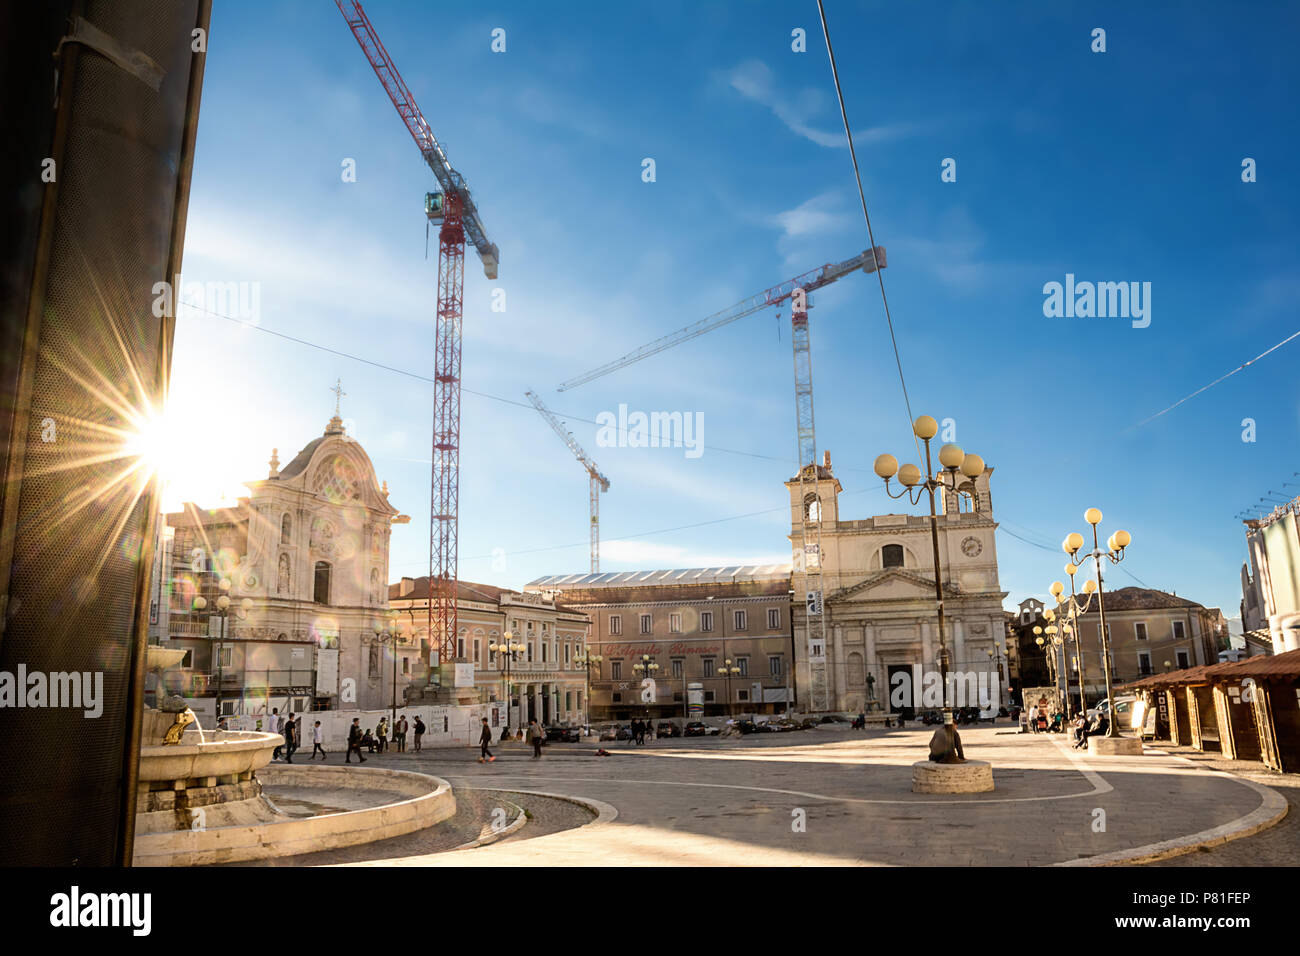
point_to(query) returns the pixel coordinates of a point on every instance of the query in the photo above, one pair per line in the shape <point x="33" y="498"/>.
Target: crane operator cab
<point x="434" y="204"/>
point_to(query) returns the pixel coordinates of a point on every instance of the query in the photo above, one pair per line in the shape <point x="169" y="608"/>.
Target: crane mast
<point x="808" y="557"/>
<point x="455" y="210"/>
<point x="596" y="481"/>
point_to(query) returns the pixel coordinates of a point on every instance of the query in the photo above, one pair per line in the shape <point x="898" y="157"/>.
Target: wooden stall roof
<point x="1283" y="666"/>
<point x="1188" y="675"/>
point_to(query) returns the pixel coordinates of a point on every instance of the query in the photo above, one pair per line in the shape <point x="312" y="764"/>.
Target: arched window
<point x="812" y="508"/>
<point x="891" y="556"/>
<point x="286" y="529"/>
<point x="857" y="675"/>
<point x="321" y="590"/>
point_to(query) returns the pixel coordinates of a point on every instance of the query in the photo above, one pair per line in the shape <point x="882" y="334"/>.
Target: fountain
<point x="199" y="801"/>
<point x="190" y="779"/>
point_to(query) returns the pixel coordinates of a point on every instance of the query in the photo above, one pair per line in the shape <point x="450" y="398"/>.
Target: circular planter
<point x="1115" y="746"/>
<point x="972" y="776"/>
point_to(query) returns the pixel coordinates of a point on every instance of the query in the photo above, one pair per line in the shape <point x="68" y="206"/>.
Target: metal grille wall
<point x="76" y="510"/>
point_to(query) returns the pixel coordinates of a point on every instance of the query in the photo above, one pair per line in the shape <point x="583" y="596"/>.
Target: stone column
<point x="869" y="654"/>
<point x="535" y="692"/>
<point x="959" y="661"/>
<point x="928" y="649"/>
<point x="838" y="661"/>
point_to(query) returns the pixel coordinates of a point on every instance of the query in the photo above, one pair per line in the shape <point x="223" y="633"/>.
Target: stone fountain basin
<point x="222" y="753"/>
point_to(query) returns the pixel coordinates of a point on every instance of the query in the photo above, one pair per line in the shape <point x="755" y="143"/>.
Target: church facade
<point x="878" y="595"/>
<point x="303" y="561"/>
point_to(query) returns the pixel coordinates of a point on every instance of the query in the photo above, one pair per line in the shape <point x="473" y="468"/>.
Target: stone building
<point x="1150" y="632"/>
<point x="308" y="551"/>
<point x="879" y="598"/>
<point x="1270" y="580"/>
<point x="690" y="622"/>
<point x="546" y="680"/>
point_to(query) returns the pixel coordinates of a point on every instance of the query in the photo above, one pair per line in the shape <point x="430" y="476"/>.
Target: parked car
<point x="929" y="717"/>
<point x="567" y="735"/>
<point x="1123" y="707"/>
<point x="696" y="729"/>
<point x="667" y="728"/>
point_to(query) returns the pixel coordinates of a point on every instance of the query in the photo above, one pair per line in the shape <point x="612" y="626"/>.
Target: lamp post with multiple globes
<point x="1073" y="608"/>
<point x="223" y="609"/>
<point x="953" y="459"/>
<point x="587" y="660"/>
<point x="506" y="653"/>
<point x="646" y="667"/>
<point x="1114" y="553"/>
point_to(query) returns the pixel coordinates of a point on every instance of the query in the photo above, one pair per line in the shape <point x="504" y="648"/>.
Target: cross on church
<point x="338" y="395"/>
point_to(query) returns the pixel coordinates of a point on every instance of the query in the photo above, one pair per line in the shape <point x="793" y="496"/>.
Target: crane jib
<point x="868" y="261"/>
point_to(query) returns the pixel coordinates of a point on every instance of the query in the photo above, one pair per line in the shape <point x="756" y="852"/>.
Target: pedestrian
<point x="419" y="732"/>
<point x="368" y="740"/>
<point x="1033" y="718"/>
<point x="636" y="731"/>
<point x="222" y="725"/>
<point x="288" y="739"/>
<point x="505" y="732"/>
<point x="354" y="741"/>
<point x="401" y="734"/>
<point x="381" y="732"/>
<point x="297" y="733"/>
<point x="535" y="738"/>
<point x="273" y="725"/>
<point x="485" y="738"/>
<point x="317" y="738"/>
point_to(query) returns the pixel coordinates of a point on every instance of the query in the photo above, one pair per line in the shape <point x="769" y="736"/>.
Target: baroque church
<point x="305" y="556"/>
<point x="879" y="598"/>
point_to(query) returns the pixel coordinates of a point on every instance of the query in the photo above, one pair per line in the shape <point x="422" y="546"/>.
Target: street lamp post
<point x="386" y="633"/>
<point x="223" y="610"/>
<point x="1073" y="610"/>
<point x="726" y="671"/>
<point x="953" y="459"/>
<point x="995" y="656"/>
<point x="646" y="667"/>
<point x="1114" y="552"/>
<point x="504" y="654"/>
<point x="1048" y="641"/>
<point x="586" y="660"/>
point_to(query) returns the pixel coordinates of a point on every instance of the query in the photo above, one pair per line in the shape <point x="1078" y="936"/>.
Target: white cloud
<point x="752" y="79"/>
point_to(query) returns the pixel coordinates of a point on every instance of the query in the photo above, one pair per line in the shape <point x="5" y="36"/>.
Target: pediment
<point x="891" y="584"/>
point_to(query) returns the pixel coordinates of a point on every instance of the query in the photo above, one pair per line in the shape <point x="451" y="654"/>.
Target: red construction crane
<point x="455" y="210"/>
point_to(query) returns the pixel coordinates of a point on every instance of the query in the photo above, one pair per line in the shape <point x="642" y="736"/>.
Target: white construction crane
<point x="808" y="554"/>
<point x="598" y="482"/>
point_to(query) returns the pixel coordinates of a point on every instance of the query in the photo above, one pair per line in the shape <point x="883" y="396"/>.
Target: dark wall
<point x="84" y="358"/>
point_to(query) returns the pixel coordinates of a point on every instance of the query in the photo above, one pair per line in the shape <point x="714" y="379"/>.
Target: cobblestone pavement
<point x="478" y="814"/>
<point x="838" y="797"/>
<point x="1279" y="845"/>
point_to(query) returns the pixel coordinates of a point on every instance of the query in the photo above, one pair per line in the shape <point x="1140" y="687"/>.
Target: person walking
<point x="317" y="738"/>
<point x="535" y="738"/>
<point x="354" y="741"/>
<point x="288" y="738"/>
<point x="381" y="733"/>
<point x="419" y="732"/>
<point x="1033" y="718"/>
<point x="274" y="726"/>
<point x="485" y="738"/>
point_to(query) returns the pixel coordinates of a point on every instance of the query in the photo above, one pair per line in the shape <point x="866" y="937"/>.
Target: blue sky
<point x="1115" y="166"/>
